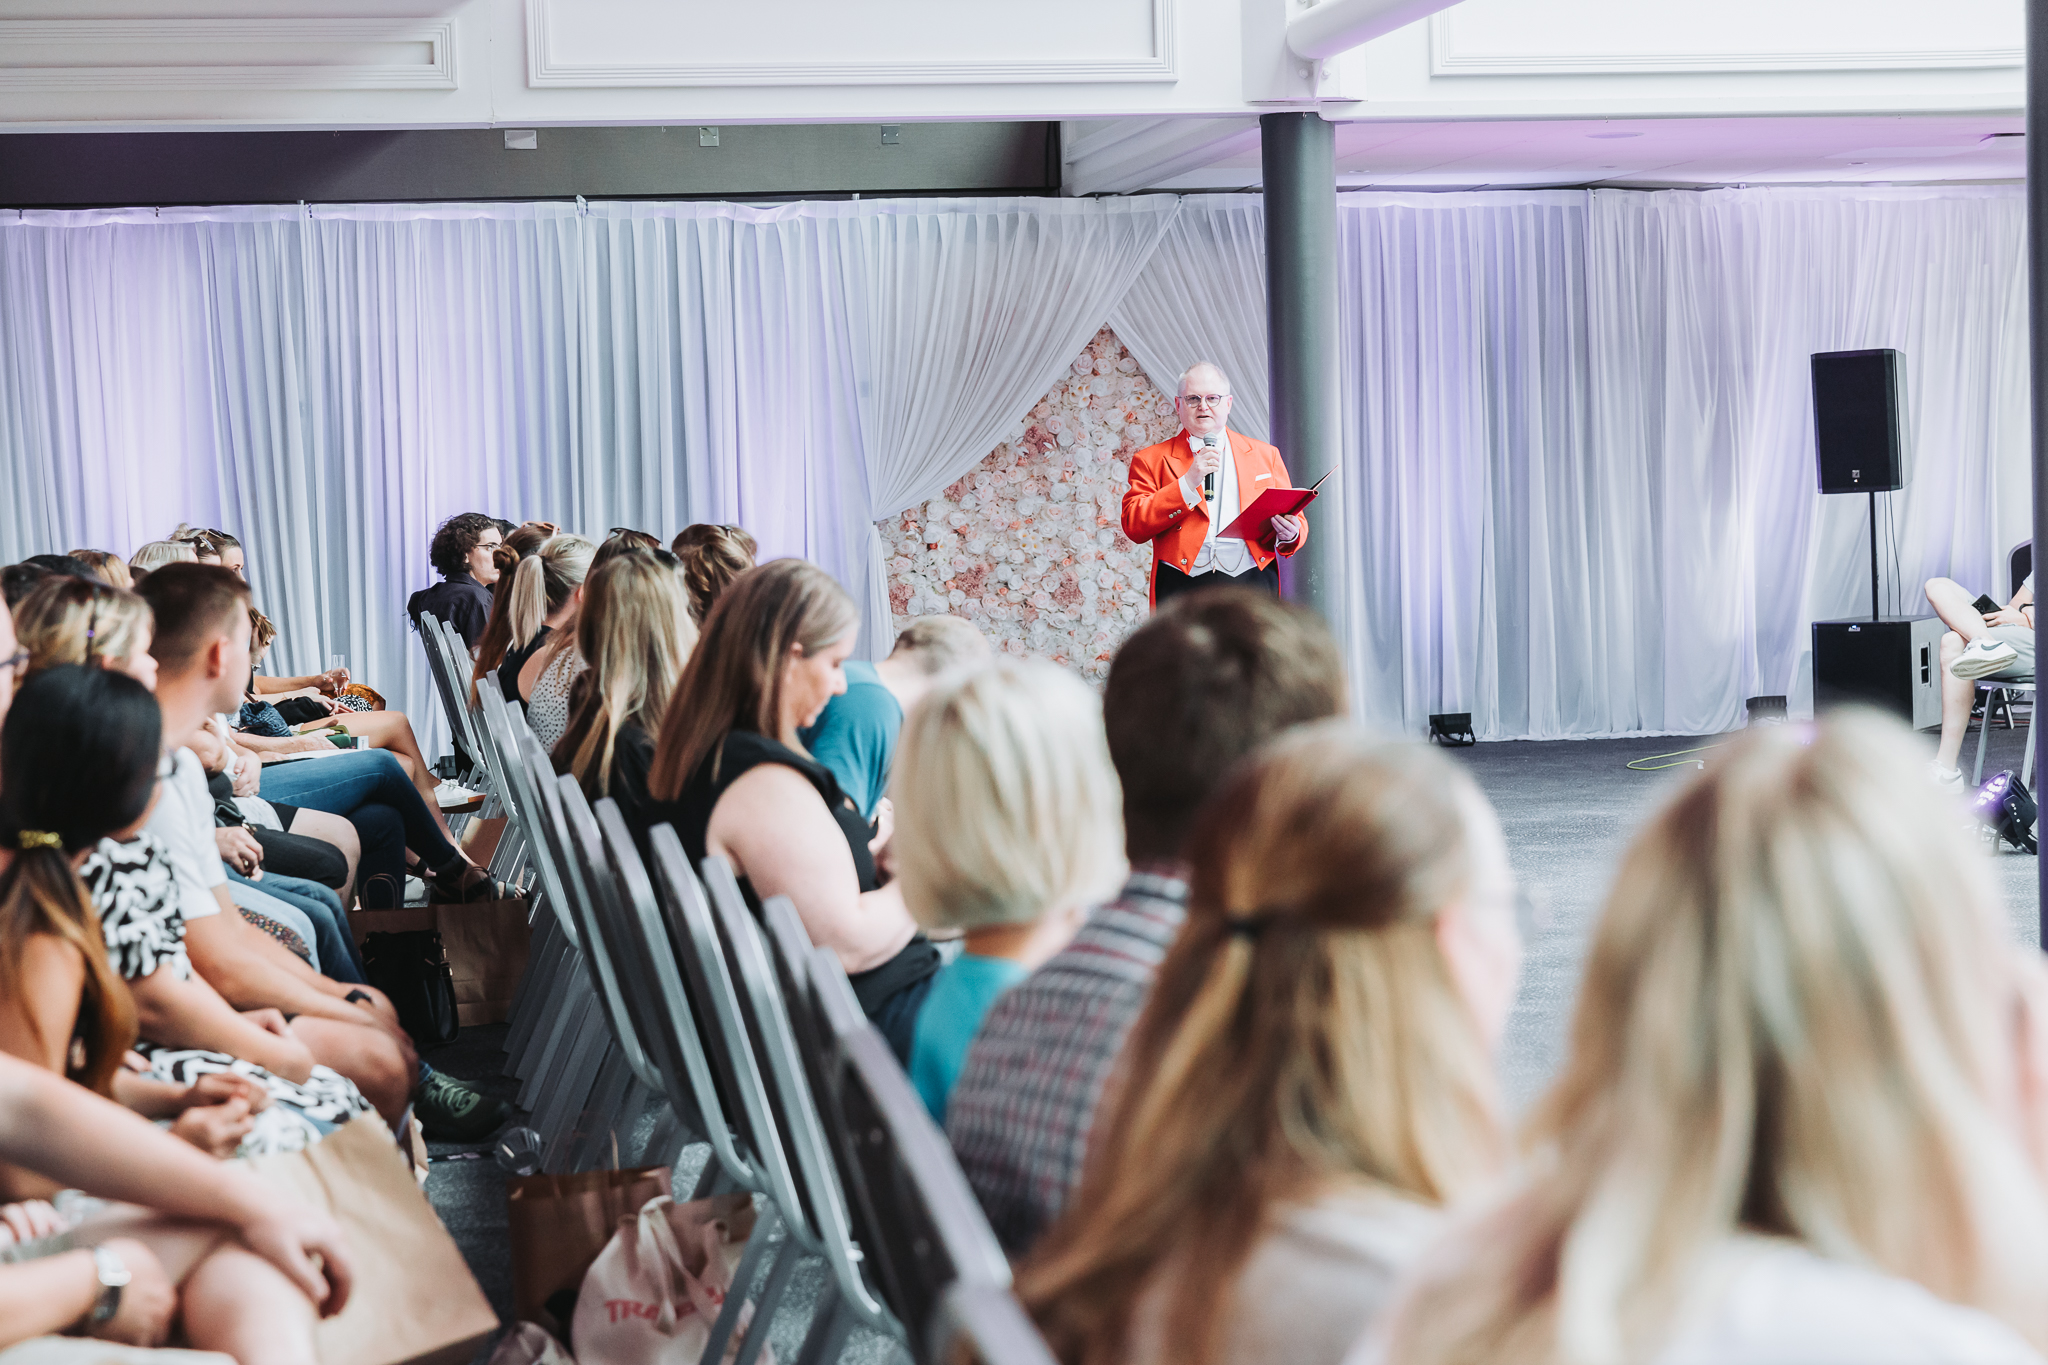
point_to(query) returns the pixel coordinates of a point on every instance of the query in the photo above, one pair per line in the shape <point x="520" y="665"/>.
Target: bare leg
<point x="1958" y="696"/>
<point x="333" y="829"/>
<point x="238" y="1303"/>
<point x="1956" y="605"/>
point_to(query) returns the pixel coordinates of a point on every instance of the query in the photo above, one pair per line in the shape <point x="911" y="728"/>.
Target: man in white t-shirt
<point x="201" y="648"/>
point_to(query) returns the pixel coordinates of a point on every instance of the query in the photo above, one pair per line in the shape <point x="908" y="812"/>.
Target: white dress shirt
<point x="1218" y="554"/>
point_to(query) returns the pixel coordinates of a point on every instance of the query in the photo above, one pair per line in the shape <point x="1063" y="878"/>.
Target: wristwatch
<point x="113" y="1277"/>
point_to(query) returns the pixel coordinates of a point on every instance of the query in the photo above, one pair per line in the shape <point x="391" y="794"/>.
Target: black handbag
<point x="412" y="968"/>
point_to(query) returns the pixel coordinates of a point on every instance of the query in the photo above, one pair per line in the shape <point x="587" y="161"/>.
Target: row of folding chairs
<point x="654" y="994"/>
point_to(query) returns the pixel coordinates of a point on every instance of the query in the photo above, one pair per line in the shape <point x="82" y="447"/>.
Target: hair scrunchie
<point x="38" y="838"/>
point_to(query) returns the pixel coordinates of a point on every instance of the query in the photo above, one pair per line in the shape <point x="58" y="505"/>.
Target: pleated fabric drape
<point x="1577" y="486"/>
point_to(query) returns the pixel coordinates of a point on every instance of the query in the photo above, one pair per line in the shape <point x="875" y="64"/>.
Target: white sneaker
<point x="1983" y="657"/>
<point x="1950" y="780"/>
<point x="415" y="891"/>
<point x="453" y="794"/>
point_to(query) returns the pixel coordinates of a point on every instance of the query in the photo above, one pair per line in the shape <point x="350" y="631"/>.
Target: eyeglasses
<point x="15" y="662"/>
<point x="1204" y="400"/>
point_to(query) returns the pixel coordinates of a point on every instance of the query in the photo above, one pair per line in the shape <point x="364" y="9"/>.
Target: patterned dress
<point x="144" y="929"/>
<point x="548" y="711"/>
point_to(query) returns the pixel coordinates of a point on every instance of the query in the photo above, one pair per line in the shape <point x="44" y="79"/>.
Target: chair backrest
<point x="2019" y="562"/>
<point x="813" y="1165"/>
<point x="461" y="664"/>
<point x="980" y="1322"/>
<point x="604" y="939"/>
<point x="723" y="1028"/>
<point x="522" y="752"/>
<point x="931" y="1232"/>
<point x="454" y="694"/>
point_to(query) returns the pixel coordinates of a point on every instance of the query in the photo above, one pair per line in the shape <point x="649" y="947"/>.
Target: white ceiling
<point x="1906" y="149"/>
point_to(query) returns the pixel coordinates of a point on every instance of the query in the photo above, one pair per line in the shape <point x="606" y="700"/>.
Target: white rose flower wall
<point x="1029" y="546"/>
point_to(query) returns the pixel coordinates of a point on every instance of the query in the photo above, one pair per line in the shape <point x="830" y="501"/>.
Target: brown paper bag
<point x="414" y="1302"/>
<point x="487" y="944"/>
<point x="560" y="1222"/>
<point x="480" y="839"/>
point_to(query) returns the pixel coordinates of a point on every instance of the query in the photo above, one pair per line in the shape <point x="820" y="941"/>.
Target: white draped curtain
<point x="1577" y="464"/>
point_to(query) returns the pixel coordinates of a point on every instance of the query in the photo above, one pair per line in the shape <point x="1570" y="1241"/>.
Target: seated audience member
<point x="254" y="1295"/>
<point x="213" y="547"/>
<point x="731" y="777"/>
<point x="1996" y="648"/>
<point x="1804" y="1111"/>
<point x="462" y="553"/>
<point x="106" y="566"/>
<point x="17" y="581"/>
<point x="855" y="735"/>
<point x="712" y="556"/>
<point x="158" y="553"/>
<point x="635" y="629"/>
<point x="546" y="590"/>
<point x="1221" y="671"/>
<point x="497" y="637"/>
<point x="622" y="540"/>
<point x="1312" y="1079"/>
<point x="202" y="652"/>
<point x="1007" y="828"/>
<point x="78" y="766"/>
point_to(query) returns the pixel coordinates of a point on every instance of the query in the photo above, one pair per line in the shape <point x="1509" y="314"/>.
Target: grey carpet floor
<point x="1569" y="808"/>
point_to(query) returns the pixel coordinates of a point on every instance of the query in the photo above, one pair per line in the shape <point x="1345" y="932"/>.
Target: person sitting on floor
<point x="254" y="1295"/>
<point x="1013" y="756"/>
<point x="1804" y="1115"/>
<point x="635" y="629"/>
<point x="463" y="554"/>
<point x="732" y="778"/>
<point x="712" y="557"/>
<point x="1220" y="672"/>
<point x="546" y="590"/>
<point x="1998" y="647"/>
<point x="855" y="735"/>
<point x="202" y="653"/>
<point x="520" y="543"/>
<point x="1313" y="1078"/>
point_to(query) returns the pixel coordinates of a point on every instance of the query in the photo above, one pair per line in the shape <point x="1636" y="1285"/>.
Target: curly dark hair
<point x="455" y="538"/>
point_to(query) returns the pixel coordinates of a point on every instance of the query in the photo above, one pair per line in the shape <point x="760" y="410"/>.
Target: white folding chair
<point x="983" y="1323"/>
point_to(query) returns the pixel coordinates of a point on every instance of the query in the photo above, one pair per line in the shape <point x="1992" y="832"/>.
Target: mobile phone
<point x="1985" y="606"/>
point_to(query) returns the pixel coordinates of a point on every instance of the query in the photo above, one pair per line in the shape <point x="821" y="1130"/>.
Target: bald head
<point x="1204" y="399"/>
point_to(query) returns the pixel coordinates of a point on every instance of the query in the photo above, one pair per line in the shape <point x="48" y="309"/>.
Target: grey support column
<point x="2037" y="312"/>
<point x="1298" y="152"/>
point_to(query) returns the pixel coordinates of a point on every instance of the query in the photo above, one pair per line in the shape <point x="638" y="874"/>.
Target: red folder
<point x="1255" y="523"/>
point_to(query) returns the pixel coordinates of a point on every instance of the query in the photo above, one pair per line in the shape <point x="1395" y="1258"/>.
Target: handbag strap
<point x="659" y="1247"/>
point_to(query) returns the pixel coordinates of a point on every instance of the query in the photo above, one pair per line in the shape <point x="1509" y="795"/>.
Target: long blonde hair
<point x="1304" y="1031"/>
<point x="1796" y="1020"/>
<point x="68" y="620"/>
<point x="546" y="580"/>
<point x="635" y="633"/>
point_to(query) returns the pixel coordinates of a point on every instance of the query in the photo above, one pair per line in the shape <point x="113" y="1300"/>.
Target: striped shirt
<point x="1021" y="1111"/>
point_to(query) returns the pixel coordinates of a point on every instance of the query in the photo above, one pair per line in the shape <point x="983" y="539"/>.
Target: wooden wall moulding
<point x="1624" y="37"/>
<point x="577" y="44"/>
<point x="227" y="54"/>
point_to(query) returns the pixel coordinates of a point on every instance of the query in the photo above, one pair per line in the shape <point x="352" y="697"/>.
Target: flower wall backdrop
<point x="1029" y="546"/>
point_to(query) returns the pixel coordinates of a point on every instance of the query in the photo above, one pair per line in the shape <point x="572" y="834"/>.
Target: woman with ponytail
<point x="541" y="607"/>
<point x="712" y="556"/>
<point x="1312" y="1079"/>
<point x="524" y="542"/>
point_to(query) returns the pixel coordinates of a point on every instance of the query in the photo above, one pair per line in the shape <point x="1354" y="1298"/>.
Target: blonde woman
<point x="158" y="553"/>
<point x="1804" y="1083"/>
<point x="1009" y="826"/>
<point x="77" y="621"/>
<point x="1312" y="1078"/>
<point x="635" y="629"/>
<point x="546" y="589"/>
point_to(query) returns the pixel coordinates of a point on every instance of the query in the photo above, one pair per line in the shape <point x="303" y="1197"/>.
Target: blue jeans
<point x="369" y="790"/>
<point x="332" y="942"/>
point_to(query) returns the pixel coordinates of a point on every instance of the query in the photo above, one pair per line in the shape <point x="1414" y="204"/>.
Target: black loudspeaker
<point x="1893" y="664"/>
<point x="1856" y="420"/>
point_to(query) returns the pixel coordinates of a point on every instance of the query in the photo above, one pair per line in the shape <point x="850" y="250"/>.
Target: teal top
<point x="855" y="736"/>
<point x="961" y="993"/>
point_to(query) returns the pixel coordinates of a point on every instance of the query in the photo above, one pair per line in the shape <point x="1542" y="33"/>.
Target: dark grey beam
<point x="1299" y="155"/>
<point x="2037" y="312"/>
<point x="82" y="170"/>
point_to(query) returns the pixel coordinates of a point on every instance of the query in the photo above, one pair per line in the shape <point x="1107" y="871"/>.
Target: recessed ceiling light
<point x="1608" y="136"/>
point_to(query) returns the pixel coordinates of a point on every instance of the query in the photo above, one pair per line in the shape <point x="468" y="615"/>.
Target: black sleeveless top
<point x="690" y="814"/>
<point x="515" y="659"/>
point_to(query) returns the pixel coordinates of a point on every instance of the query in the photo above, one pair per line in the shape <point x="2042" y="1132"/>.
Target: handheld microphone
<point x="1209" y="479"/>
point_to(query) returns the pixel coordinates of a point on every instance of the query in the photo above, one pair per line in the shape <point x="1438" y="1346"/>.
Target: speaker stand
<point x="1873" y="555"/>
